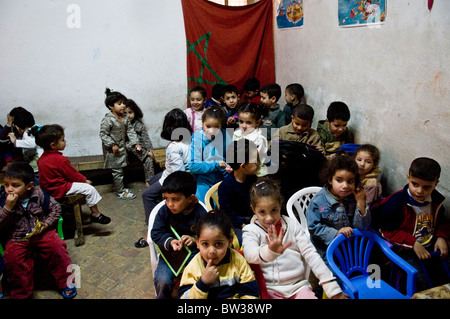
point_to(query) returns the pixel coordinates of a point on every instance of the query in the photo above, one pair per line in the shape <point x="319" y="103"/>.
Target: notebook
<point x="176" y="260"/>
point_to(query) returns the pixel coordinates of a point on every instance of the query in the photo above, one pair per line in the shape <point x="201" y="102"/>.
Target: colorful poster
<point x="289" y="13"/>
<point x="361" y="12"/>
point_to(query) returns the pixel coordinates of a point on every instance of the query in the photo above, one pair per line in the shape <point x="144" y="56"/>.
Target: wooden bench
<point x="95" y="162"/>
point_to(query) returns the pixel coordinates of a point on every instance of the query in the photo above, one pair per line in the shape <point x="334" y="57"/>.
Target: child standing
<point x="58" y="177"/>
<point x="145" y="154"/>
<point x="114" y="129"/>
<point x="231" y="101"/>
<point x="249" y="122"/>
<point x="279" y="245"/>
<point x="333" y="131"/>
<point x="299" y="129"/>
<point x="177" y="159"/>
<point x="273" y="116"/>
<point x="234" y="198"/>
<point x="181" y="211"/>
<point x="367" y="157"/>
<point x="208" y="150"/>
<point x="31" y="228"/>
<point x="413" y="219"/>
<point x="218" y="271"/>
<point x="294" y="96"/>
<point x="197" y="99"/>
<point x="339" y="206"/>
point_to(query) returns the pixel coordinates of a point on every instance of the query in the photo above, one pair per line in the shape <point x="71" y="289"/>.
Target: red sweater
<point x="56" y="174"/>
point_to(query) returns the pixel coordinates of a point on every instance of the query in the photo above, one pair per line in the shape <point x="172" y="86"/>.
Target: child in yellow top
<point x="218" y="271"/>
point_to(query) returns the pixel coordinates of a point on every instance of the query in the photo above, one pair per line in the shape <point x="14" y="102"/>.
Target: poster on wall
<point x="354" y="13"/>
<point x="289" y="13"/>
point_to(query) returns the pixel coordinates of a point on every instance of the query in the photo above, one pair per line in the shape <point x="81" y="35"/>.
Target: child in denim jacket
<point x="339" y="206"/>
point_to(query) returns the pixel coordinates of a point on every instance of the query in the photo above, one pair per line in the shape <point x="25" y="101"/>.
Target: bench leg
<point x="79" y="240"/>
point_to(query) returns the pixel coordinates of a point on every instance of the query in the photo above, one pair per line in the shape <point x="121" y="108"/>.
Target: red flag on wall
<point x="228" y="45"/>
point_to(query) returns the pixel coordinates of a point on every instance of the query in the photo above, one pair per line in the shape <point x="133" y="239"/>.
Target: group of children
<point x="251" y="204"/>
<point x="222" y="140"/>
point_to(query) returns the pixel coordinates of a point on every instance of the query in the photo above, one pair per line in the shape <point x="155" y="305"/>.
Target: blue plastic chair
<point x="349" y="260"/>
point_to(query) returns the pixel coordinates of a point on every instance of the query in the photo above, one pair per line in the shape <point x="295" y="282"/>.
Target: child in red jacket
<point x="413" y="218"/>
<point x="58" y="177"/>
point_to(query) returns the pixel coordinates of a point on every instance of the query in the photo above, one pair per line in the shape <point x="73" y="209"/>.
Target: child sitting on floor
<point x="30" y="226"/>
<point x="58" y="177"/>
<point x="181" y="211"/>
<point x="217" y="271"/>
<point x="145" y="154"/>
<point x="281" y="247"/>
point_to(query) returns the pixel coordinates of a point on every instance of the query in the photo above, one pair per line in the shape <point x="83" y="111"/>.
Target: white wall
<point x="59" y="73"/>
<point x="395" y="79"/>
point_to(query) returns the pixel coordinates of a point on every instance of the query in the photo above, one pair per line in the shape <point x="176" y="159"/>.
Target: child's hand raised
<point x="210" y="274"/>
<point x="275" y="241"/>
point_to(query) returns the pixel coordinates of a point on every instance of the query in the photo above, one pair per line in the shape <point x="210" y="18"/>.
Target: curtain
<point x="228" y="45"/>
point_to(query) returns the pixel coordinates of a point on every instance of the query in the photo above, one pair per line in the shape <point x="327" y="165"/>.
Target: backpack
<point x="299" y="166"/>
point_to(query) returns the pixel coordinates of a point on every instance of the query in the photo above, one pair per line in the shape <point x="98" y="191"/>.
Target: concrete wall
<point x="57" y="59"/>
<point x="395" y="79"/>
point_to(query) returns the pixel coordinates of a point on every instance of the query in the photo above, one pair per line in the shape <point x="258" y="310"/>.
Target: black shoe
<point x="141" y="243"/>
<point x="102" y="219"/>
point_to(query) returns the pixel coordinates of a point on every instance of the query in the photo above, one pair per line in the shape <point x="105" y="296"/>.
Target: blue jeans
<point x="152" y="195"/>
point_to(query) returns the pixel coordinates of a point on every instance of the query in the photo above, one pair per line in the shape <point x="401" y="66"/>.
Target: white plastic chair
<point x="300" y="201"/>
<point x="154" y="255"/>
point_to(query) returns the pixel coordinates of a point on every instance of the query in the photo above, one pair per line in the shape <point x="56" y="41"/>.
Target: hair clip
<point x="38" y="127"/>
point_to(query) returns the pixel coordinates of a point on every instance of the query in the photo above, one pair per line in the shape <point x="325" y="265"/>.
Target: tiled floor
<point x="110" y="266"/>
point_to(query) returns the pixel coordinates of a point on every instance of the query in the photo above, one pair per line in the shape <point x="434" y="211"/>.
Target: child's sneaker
<point x="126" y="194"/>
<point x="101" y="219"/>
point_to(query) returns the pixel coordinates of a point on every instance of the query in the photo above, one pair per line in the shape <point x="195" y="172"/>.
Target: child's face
<point x="129" y="113"/>
<point x="288" y="97"/>
<point x="213" y="244"/>
<point x="177" y="202"/>
<point x="419" y="188"/>
<point x="268" y="211"/>
<point x="300" y="126"/>
<point x="60" y="145"/>
<point x="266" y="101"/>
<point x="252" y="94"/>
<point x="231" y="99"/>
<point x="211" y="127"/>
<point x="342" y="183"/>
<point x="197" y="100"/>
<point x="118" y="108"/>
<point x="365" y="162"/>
<point x="337" y="127"/>
<point x="247" y="123"/>
<point x="18" y="187"/>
